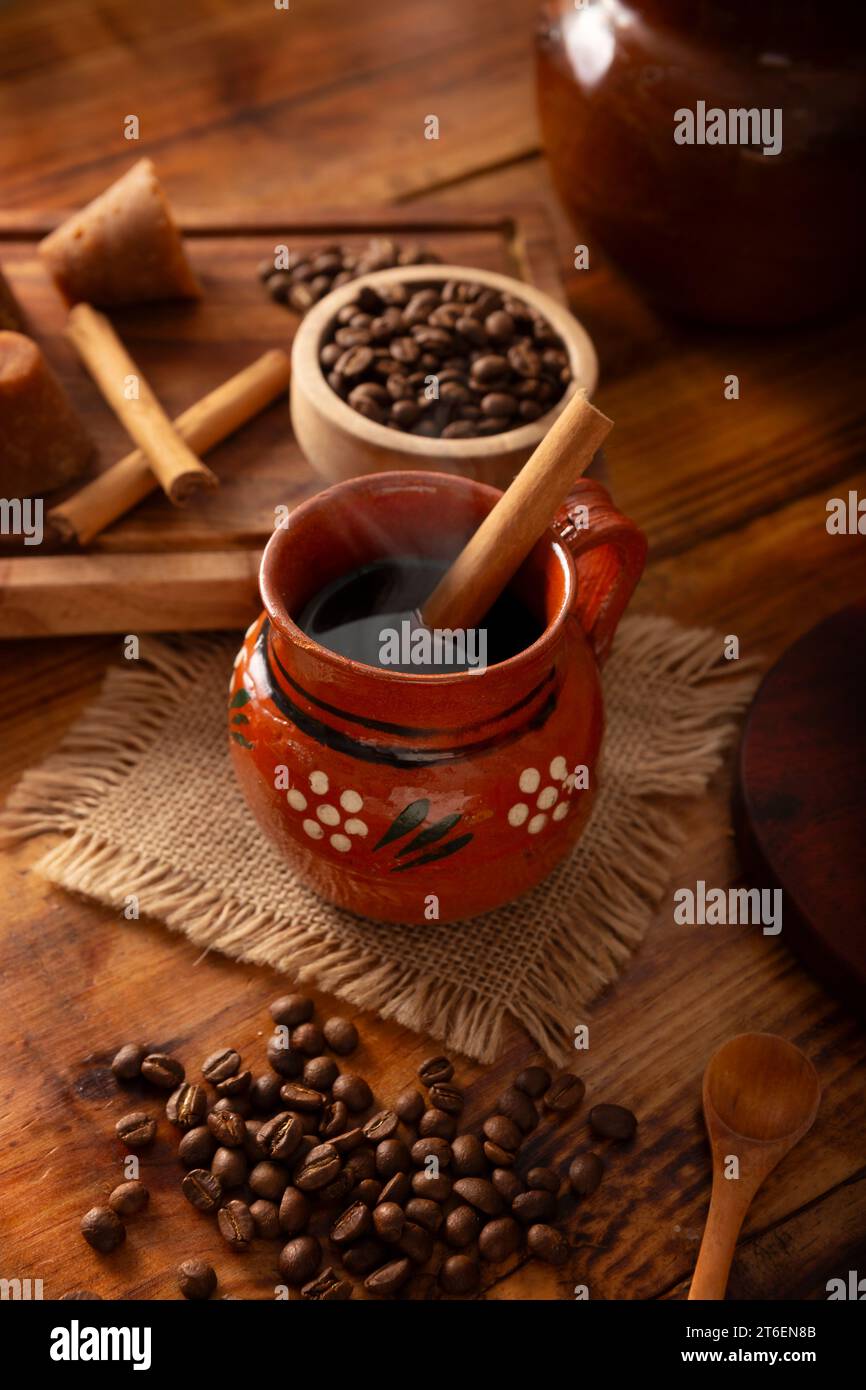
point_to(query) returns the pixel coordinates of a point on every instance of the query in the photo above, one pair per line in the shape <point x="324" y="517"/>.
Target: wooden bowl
<point x="340" y="443"/>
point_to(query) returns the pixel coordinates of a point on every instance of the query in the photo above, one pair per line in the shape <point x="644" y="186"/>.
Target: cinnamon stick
<point x="205" y="424"/>
<point x="495" y="552"/>
<point x="177" y="469"/>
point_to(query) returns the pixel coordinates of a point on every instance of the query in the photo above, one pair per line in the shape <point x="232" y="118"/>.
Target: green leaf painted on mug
<point x="240" y="697"/>
<point x="431" y="834"/>
<point x="442" y="852"/>
<point x="239" y="738"/>
<point x="409" y="817"/>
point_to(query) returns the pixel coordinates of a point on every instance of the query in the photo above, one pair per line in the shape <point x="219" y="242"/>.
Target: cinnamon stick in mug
<point x="205" y="424"/>
<point x="177" y="469"/>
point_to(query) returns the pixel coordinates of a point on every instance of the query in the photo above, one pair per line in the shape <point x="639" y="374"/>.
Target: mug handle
<point x="609" y="553"/>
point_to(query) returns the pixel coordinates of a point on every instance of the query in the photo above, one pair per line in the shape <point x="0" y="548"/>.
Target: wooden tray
<point x="160" y="568"/>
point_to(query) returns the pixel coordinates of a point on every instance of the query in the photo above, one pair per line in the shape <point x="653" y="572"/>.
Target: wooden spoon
<point x="495" y="552"/>
<point x="761" y="1095"/>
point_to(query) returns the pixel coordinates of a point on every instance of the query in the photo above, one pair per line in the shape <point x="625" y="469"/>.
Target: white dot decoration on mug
<point x="547" y="800"/>
<point x="327" y="814"/>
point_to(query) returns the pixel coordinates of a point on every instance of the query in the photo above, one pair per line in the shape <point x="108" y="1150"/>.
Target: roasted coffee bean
<point x="103" y="1229"/>
<point x="459" y="1275"/>
<point x="280" y="1136"/>
<point x="332" y="1125"/>
<point x="292" y="1009"/>
<point x="507" y="1184"/>
<point x="388" y="1280"/>
<point x="327" y="1287"/>
<point x="196" y="1280"/>
<point x="235" y="1086"/>
<point x="462" y="1226"/>
<point x="564" y="1094"/>
<point x="136" y="1130"/>
<point x="502" y="1131"/>
<point x="283" y="1058"/>
<point x="389" y="1220"/>
<point x="162" y="1070"/>
<point x="269" y="1180"/>
<point x="548" y="1244"/>
<point x="353" y="1091"/>
<point x="518" y="1107"/>
<point x="364" y="1255"/>
<point x="437" y="1123"/>
<point x="467" y="1156"/>
<point x="425" y="1213"/>
<point x="266" y="1218"/>
<point x="435" y="1186"/>
<point x="300" y="1259"/>
<point x="129" y="1198"/>
<point x="479" y="1193"/>
<point x="545" y="1178"/>
<point x="340" y="1034"/>
<point x="227" y="1127"/>
<point x="435" y="1070"/>
<point x="381" y="1126"/>
<point x="127" y="1062"/>
<point x="392" y="1157"/>
<point x="301" y="1098"/>
<point x="497" y="1156"/>
<point x="535" y="1205"/>
<point x="237" y="1105"/>
<point x="585" y="1173"/>
<point x="236" y="1225"/>
<point x="294" y="1212"/>
<point x="433" y="1147"/>
<point x="197" y="1147"/>
<point x="296" y="1161"/>
<point x="447" y="1098"/>
<point x="253" y="1147"/>
<point x="369" y="1191"/>
<point x="354" y="1222"/>
<point x="361" y="1162"/>
<point x="410" y="1106"/>
<point x="320" y="1073"/>
<point x="202" y="1189"/>
<point x="533" y="1081"/>
<point x="187" y="1106"/>
<point x="416" y="1243"/>
<point x="231" y="1166"/>
<point x="612" y="1122"/>
<point x="221" y="1064"/>
<point x="499" y="1238"/>
<point x="308" y="1039"/>
<point x="320" y="1168"/>
<point x="398" y="1189"/>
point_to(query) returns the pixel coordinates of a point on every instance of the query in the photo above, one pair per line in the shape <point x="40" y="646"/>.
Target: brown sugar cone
<point x="11" y="313"/>
<point x="43" y="444"/>
<point x="123" y="248"/>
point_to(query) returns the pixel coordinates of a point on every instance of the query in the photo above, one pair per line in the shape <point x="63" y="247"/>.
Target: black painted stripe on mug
<point x="380" y="725"/>
<point x="364" y="752"/>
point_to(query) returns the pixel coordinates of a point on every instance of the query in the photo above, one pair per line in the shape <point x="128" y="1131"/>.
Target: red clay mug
<point x="410" y="798"/>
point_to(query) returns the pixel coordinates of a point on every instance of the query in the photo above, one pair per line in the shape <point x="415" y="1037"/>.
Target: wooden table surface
<point x="240" y="103"/>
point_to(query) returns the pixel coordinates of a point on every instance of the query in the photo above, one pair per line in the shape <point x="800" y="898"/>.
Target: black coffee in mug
<point x="371" y="615"/>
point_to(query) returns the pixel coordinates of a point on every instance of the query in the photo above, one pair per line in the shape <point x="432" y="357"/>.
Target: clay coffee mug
<point x="409" y="797"/>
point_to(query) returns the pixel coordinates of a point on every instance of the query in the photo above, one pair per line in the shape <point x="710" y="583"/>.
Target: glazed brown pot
<point x="406" y="797"/>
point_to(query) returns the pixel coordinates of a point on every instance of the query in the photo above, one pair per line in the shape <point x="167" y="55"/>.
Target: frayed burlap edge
<point x="594" y="933"/>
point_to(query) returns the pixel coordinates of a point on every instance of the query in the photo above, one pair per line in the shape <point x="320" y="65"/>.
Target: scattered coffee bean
<point x="479" y="1193"/>
<point x="435" y="1069"/>
<point x="197" y="1147"/>
<point x="320" y="1073"/>
<point x="585" y="1173"/>
<point x="292" y="1009"/>
<point x="220" y="1065"/>
<point x="426" y="1213"/>
<point x="462" y="1226"/>
<point x="467" y="1156"/>
<point x="544" y="1178"/>
<point x="266" y="1218"/>
<point x="507" y="1184"/>
<point x="548" y="1244"/>
<point x="389" y="1220"/>
<point x="187" y="1106"/>
<point x="438" y="1123"/>
<point x="129" y="1198"/>
<point x="436" y="1187"/>
<point x="196" y="1280"/>
<point x="447" y="1098"/>
<point x="238" y="1105"/>
<point x="388" y="1280"/>
<point x="301" y="1098"/>
<point x="564" y="1093"/>
<point x="381" y="1126"/>
<point x="162" y="1070"/>
<point x="533" y="1081"/>
<point x="280" y="1136"/>
<point x="127" y="1062"/>
<point x="310" y="275"/>
<point x="321" y="1166"/>
<point x="497" y="1156"/>
<point x="433" y="1147"/>
<point x="410" y="1106"/>
<point x="283" y="1058"/>
<point x="231" y="1166"/>
<point x="361" y="1163"/>
<point x="354" y="1222"/>
<point x="353" y="1091"/>
<point x="253" y="1147"/>
<point x="332" y="1125"/>
<point x="503" y="1132"/>
<point x="341" y="1036"/>
<point x="227" y="1128"/>
<point x="364" y="1255"/>
<point x="398" y="1189"/>
<point x="235" y="1086"/>
<point x="269" y="1180"/>
<point x="612" y="1122"/>
<point x="416" y="1243"/>
<point x="236" y="1225"/>
<point x="459" y="1275"/>
<point x="517" y="1106"/>
<point x="294" y="1212"/>
<point x="136" y="1130"/>
<point x="535" y="1205"/>
<point x="392" y="1157"/>
<point x="300" y="1259"/>
<point x="499" y="1238"/>
<point x="103" y="1229"/>
<point x="369" y="1190"/>
<point x="202" y="1189"/>
<point x="307" y="1039"/>
<point x="328" y="1287"/>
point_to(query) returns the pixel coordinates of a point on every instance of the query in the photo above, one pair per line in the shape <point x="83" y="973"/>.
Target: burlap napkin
<point x="144" y="788"/>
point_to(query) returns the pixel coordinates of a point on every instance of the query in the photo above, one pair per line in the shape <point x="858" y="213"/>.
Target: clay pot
<point x="388" y="791"/>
